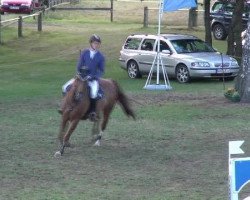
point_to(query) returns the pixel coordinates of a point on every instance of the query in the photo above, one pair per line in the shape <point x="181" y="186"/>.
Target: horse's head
<point x="80" y="85"/>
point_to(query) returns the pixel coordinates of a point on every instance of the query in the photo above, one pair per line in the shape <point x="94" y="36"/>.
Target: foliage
<point x="232" y="95"/>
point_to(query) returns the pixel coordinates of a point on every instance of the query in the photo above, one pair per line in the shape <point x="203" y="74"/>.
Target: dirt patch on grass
<point x="205" y="100"/>
<point x="199" y="100"/>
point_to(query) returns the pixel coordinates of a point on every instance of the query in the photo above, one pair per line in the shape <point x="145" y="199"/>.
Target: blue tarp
<point x="173" y="5"/>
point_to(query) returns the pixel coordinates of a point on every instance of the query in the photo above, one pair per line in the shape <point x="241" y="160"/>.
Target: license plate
<point x="14" y="7"/>
<point x="220" y="71"/>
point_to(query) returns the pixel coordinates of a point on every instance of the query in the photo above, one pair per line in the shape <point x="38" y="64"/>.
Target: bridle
<point x="78" y="96"/>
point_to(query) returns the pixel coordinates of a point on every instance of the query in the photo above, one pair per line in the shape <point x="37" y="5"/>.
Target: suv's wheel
<point x="133" y="70"/>
<point x="219" y="32"/>
<point x="182" y="74"/>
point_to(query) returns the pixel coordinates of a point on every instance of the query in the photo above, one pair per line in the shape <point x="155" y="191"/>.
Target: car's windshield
<point x="191" y="46"/>
<point x="228" y="7"/>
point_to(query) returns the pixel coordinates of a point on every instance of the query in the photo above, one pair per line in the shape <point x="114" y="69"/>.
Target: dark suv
<point x="221" y="16"/>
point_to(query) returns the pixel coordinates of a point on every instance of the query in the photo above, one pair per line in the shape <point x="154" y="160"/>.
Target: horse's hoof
<point x="97" y="143"/>
<point x="58" y="154"/>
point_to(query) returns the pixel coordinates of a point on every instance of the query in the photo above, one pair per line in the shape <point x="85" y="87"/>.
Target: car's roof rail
<point x="134" y="34"/>
<point x="172" y="34"/>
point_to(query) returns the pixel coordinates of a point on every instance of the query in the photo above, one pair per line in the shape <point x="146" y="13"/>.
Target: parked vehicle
<point x="19" y="6"/>
<point x="184" y="57"/>
<point x="221" y="16"/>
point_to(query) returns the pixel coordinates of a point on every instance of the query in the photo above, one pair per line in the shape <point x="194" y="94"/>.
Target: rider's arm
<point x="101" y="67"/>
<point x="81" y="62"/>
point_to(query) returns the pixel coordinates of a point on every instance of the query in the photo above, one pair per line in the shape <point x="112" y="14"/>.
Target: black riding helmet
<point x="95" y="38"/>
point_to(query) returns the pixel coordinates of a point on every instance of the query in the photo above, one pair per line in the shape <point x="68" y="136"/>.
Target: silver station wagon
<point x="184" y="57"/>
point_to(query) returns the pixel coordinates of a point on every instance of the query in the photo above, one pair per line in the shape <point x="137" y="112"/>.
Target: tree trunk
<point x="192" y="18"/>
<point x="234" y="46"/>
<point x="208" y="35"/>
<point x="243" y="79"/>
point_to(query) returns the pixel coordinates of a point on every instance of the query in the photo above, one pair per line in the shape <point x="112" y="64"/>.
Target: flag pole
<point x="158" y="40"/>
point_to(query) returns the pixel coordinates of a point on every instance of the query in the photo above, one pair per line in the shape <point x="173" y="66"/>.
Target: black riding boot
<point x="92" y="112"/>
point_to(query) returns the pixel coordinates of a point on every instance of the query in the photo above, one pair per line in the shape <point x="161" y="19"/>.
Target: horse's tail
<point x="124" y="101"/>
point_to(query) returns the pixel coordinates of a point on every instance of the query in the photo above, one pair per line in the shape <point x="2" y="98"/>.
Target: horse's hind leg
<point x="96" y="133"/>
<point x="98" y="128"/>
<point x="106" y="114"/>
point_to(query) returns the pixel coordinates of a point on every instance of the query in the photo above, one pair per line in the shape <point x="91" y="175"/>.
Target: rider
<point x="92" y="63"/>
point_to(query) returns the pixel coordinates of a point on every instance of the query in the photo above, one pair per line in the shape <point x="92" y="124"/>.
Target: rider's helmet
<point x="95" y="38"/>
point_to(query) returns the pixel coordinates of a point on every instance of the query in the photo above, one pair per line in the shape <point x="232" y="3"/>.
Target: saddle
<point x="78" y="97"/>
<point x="100" y="94"/>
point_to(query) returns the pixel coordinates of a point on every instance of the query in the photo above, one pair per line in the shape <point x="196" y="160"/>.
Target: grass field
<point x="176" y="149"/>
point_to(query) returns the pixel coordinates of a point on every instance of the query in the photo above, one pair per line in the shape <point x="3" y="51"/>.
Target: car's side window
<point x="163" y="46"/>
<point x="180" y="46"/>
<point x="132" y="43"/>
<point x="217" y="7"/>
<point x="148" y="45"/>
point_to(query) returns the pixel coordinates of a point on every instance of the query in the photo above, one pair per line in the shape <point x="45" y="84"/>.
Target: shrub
<point x="232" y="95"/>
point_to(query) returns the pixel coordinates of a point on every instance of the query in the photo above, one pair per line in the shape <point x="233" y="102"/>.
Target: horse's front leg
<point x="97" y="133"/>
<point x="63" y="127"/>
<point x="66" y="137"/>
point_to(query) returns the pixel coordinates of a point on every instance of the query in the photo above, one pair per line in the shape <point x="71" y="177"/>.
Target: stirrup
<point x="93" y="116"/>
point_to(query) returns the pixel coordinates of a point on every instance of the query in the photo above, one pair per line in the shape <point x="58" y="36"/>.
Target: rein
<point x="78" y="76"/>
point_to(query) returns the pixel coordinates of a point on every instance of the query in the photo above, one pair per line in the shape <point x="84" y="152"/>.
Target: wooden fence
<point x="83" y="8"/>
<point x="52" y="5"/>
<point x="20" y="19"/>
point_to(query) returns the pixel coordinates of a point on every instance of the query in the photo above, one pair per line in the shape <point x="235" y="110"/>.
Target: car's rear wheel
<point x="219" y="32"/>
<point x="182" y="74"/>
<point x="133" y="70"/>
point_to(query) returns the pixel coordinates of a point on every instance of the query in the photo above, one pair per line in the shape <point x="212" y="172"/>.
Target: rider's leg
<point x="66" y="87"/>
<point x="94" y="87"/>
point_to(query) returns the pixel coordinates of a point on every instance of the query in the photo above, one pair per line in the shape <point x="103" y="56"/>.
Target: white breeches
<point x="94" y="87"/>
<point x="67" y="84"/>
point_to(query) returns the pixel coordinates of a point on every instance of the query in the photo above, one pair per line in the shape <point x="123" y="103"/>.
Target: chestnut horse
<point x="75" y="106"/>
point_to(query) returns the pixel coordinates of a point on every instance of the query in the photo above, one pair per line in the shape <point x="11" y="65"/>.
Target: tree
<point x="234" y="46"/>
<point x="208" y="35"/>
<point x="192" y="19"/>
<point x="243" y="79"/>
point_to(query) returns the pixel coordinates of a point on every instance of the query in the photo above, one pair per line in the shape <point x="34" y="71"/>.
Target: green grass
<point x="176" y="149"/>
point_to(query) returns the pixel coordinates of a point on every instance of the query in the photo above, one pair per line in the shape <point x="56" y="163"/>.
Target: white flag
<point x="234" y="147"/>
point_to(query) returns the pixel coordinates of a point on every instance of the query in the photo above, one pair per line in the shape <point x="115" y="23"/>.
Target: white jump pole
<point x="158" y="61"/>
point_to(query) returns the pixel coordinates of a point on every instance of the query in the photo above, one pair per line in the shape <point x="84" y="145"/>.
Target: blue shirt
<point x="95" y="66"/>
